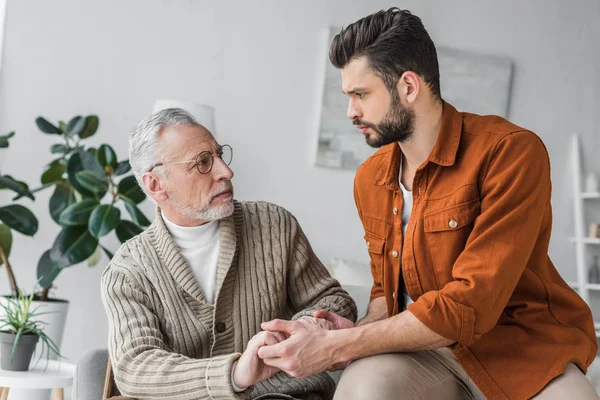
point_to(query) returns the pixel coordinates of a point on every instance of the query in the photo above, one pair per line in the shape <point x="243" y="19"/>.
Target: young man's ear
<point x="154" y="187"/>
<point x="409" y="86"/>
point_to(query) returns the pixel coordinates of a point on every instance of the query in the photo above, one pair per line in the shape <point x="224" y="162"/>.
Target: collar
<point x="178" y="266"/>
<point x="443" y="153"/>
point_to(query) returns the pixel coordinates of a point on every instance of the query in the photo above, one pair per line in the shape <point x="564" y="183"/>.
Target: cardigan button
<point x="221" y="327"/>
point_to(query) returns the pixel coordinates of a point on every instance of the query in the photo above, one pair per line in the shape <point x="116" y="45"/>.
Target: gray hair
<point x="143" y="141"/>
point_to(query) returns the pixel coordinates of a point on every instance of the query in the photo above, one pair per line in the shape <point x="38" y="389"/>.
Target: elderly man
<point x="185" y="298"/>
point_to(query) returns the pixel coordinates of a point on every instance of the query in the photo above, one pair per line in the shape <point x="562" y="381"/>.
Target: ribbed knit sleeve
<point x="144" y="367"/>
<point x="310" y="286"/>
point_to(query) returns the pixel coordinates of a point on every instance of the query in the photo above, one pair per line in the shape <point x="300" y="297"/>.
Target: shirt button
<point x="452" y="224"/>
<point x="368" y="244"/>
<point x="395" y="211"/>
<point x="394" y="254"/>
<point x="221" y="327"/>
<point x="394" y="295"/>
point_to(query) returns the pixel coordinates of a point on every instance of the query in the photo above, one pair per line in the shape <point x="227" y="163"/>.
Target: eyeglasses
<point x="204" y="160"/>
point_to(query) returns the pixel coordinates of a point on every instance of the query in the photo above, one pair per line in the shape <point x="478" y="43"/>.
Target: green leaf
<point x="107" y="252"/>
<point x="126" y="230"/>
<point x="53" y="173"/>
<point x="78" y="213"/>
<point x="62" y="197"/>
<point x="7" y="181"/>
<point x="4" y="139"/>
<point x="75" y="126"/>
<point x="103" y="220"/>
<point x="5" y="240"/>
<point x="123" y="167"/>
<point x="62" y="126"/>
<point x="47" y="270"/>
<point x="81" y="161"/>
<point x="95" y="258"/>
<point x="91" y="126"/>
<point x="47" y="127"/>
<point x="73" y="245"/>
<point x="93" y="182"/>
<point x="136" y="214"/>
<point x="129" y="188"/>
<point x="59" y="148"/>
<point x="106" y="156"/>
<point x="19" y="218"/>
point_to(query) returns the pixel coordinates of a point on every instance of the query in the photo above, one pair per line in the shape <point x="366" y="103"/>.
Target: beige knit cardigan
<point x="167" y="342"/>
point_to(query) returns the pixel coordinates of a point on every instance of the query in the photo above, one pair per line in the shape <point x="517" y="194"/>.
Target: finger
<point x="280" y="336"/>
<point x="280" y="325"/>
<point x="271" y="338"/>
<point x="321" y="314"/>
<point x="329" y="316"/>
<point x="274" y="351"/>
<point x="275" y="362"/>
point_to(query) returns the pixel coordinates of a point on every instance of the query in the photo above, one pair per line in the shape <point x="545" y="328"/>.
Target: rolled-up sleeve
<point x="515" y="199"/>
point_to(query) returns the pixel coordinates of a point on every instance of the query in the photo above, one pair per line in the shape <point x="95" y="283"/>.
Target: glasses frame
<point x="198" y="156"/>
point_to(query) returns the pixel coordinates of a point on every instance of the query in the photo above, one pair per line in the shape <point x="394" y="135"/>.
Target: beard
<point x="398" y="125"/>
<point x="207" y="211"/>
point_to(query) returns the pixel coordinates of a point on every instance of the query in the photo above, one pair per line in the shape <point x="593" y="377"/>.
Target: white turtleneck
<point x="200" y="247"/>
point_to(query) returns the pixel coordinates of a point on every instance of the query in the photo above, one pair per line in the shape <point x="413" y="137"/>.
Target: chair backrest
<point x="94" y="377"/>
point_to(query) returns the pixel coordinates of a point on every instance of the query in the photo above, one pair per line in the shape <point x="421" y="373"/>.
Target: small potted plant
<point x="20" y="331"/>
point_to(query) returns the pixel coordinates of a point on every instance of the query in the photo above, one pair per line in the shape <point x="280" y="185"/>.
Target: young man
<point x="186" y="297"/>
<point x="456" y="212"/>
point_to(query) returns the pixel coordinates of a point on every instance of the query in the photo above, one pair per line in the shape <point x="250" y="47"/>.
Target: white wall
<point x="258" y="64"/>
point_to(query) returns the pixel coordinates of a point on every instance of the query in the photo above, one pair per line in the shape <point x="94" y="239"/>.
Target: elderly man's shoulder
<point x="264" y="210"/>
<point x="129" y="257"/>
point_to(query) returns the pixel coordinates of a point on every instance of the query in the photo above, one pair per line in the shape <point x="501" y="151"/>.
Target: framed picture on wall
<point x="471" y="82"/>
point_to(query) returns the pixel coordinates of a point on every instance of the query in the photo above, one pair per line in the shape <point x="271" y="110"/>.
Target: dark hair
<point x="393" y="42"/>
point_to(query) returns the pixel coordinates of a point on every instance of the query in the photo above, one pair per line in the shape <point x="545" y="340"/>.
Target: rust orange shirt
<point x="475" y="256"/>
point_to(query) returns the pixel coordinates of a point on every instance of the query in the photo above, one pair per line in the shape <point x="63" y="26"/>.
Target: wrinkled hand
<point x="335" y="321"/>
<point x="320" y="322"/>
<point x="250" y="369"/>
<point x="308" y="349"/>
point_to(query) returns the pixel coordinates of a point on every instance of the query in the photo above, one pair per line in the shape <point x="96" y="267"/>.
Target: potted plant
<point x="20" y="331"/>
<point x="86" y="198"/>
<point x="88" y="186"/>
<point x="14" y="217"/>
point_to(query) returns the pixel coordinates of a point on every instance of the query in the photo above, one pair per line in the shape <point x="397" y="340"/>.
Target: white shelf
<point x="590" y="195"/>
<point x="586" y="240"/>
<point x="588" y="286"/>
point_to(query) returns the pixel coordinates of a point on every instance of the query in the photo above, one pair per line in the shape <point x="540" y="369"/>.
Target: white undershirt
<point x="200" y="247"/>
<point x="406" y="211"/>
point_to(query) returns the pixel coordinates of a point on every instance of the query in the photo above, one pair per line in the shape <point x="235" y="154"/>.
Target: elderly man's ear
<point x="153" y="187"/>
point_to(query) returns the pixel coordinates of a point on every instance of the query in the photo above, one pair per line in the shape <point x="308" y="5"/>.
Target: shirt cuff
<point x="235" y="388"/>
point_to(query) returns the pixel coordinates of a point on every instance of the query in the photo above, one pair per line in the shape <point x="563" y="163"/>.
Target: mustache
<point x="225" y="187"/>
<point x="365" y="124"/>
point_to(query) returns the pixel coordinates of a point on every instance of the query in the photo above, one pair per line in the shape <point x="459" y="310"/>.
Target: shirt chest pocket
<point x="447" y="232"/>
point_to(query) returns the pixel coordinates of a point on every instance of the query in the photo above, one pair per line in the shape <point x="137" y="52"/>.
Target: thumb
<point x="279" y="325"/>
<point x="325" y="315"/>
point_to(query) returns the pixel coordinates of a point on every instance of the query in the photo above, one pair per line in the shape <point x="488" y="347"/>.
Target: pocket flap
<point x="455" y="217"/>
<point x="374" y="244"/>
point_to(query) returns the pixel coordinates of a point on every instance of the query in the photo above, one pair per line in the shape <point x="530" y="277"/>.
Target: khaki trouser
<point x="437" y="374"/>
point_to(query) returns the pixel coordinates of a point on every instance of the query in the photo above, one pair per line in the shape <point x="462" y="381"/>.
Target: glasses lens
<point x="226" y="154"/>
<point x="204" y="162"/>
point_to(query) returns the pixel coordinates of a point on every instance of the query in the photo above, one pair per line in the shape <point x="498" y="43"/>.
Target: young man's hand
<point x="250" y="369"/>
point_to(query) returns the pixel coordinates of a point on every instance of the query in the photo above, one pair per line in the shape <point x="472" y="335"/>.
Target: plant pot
<point x="54" y="318"/>
<point x="23" y="352"/>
